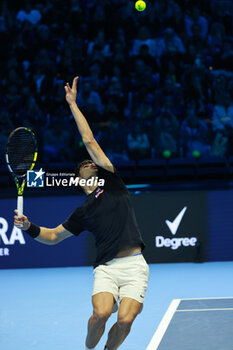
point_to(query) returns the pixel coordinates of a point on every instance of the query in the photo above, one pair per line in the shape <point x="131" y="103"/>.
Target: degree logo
<point x="174" y="225"/>
<point x="175" y="243"/>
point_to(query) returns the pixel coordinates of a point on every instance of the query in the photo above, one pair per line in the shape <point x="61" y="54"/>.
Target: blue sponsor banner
<point x="173" y="225"/>
<point x="220" y="226"/>
<point x="177" y="226"/>
<point x="18" y="250"/>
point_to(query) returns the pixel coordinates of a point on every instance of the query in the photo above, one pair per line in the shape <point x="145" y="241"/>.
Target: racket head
<point x="21" y="151"/>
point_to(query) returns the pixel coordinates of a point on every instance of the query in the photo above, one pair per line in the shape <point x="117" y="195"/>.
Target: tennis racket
<point x="21" y="155"/>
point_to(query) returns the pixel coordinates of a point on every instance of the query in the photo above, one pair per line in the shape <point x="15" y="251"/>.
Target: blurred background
<point x="156" y="86"/>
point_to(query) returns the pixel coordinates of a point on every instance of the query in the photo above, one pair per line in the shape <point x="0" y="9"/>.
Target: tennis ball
<point x="140" y="5"/>
<point x="167" y="153"/>
<point x="196" y="154"/>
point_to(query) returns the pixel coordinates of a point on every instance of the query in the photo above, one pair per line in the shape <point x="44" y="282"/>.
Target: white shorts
<point x="123" y="277"/>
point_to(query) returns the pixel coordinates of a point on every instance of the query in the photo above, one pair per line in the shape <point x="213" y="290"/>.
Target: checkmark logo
<point x="173" y="225"/>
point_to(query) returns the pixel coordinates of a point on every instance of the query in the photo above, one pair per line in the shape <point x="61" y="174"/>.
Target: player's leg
<point x="128" y="310"/>
<point x="102" y="309"/>
<point x="133" y="275"/>
<point x="104" y="294"/>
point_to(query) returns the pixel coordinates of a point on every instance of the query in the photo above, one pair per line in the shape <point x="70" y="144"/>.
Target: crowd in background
<point x="149" y="82"/>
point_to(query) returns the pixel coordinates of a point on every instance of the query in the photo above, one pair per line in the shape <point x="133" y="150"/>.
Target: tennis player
<point x="120" y="270"/>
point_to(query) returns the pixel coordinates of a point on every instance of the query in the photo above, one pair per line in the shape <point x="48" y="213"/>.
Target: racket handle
<point x="20" y="205"/>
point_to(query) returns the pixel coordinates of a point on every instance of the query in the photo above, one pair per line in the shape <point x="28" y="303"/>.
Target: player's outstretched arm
<point x="93" y="148"/>
<point x="46" y="235"/>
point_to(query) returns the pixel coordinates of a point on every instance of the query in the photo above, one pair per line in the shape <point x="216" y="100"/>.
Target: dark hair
<point x="81" y="164"/>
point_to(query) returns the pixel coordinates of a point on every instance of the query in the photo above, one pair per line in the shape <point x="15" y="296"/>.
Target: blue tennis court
<point x="193" y="324"/>
<point x="48" y="308"/>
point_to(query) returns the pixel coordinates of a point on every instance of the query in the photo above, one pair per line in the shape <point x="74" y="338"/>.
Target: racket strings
<point x="21" y="149"/>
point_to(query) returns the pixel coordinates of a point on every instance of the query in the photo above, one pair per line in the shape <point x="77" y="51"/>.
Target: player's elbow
<point x="53" y="239"/>
<point x="88" y="139"/>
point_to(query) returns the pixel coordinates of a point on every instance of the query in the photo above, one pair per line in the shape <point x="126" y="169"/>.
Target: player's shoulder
<point x="112" y="179"/>
<point x="108" y="172"/>
<point x="107" y="169"/>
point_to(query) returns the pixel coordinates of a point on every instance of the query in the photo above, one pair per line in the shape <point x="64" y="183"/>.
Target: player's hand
<point x="71" y="93"/>
<point x="21" y="221"/>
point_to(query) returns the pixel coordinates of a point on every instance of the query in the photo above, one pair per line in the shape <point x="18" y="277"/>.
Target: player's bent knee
<point x="125" y="323"/>
<point x="102" y="316"/>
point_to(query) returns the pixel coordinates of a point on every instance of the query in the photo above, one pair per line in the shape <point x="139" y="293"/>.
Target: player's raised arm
<point x="41" y="234"/>
<point x="93" y="148"/>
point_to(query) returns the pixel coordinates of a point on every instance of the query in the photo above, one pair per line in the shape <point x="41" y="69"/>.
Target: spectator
<point x="56" y="141"/>
<point x="119" y="57"/>
<point x="30" y="15"/>
<point x="166" y="129"/>
<point x="197" y="39"/>
<point x="194" y="134"/>
<point x="176" y="21"/>
<point x="100" y="42"/>
<point x="76" y="15"/>
<point x="223" y="113"/>
<point x="170" y="64"/>
<point x="121" y="38"/>
<point x="225" y="58"/>
<point x="96" y="77"/>
<point x="113" y="140"/>
<point x="189" y="59"/>
<point x="132" y="66"/>
<point x="196" y="18"/>
<point x="138" y="143"/>
<point x="143" y="38"/>
<point x="216" y="37"/>
<point x="114" y="100"/>
<point x="147" y="58"/>
<point x="169" y="93"/>
<point x="197" y="80"/>
<point x="142" y="104"/>
<point x="172" y="43"/>
<point x="171" y="11"/>
<point x="220" y="144"/>
<point x="219" y="84"/>
<point x="137" y="75"/>
<point x="90" y="102"/>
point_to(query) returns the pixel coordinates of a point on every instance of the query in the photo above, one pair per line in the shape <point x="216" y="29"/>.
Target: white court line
<point x="229" y="308"/>
<point x="157" y="337"/>
<point x="159" y="333"/>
